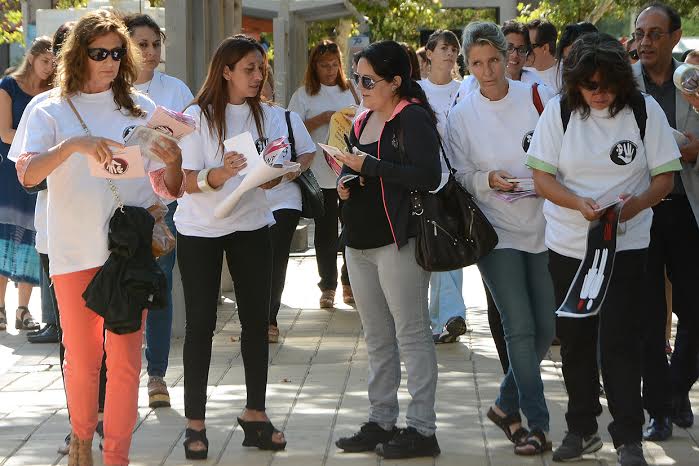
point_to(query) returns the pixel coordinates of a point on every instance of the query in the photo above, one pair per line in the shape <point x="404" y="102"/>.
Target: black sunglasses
<point x="100" y="54"/>
<point x="322" y="48"/>
<point x="365" y="81"/>
<point x="593" y="86"/>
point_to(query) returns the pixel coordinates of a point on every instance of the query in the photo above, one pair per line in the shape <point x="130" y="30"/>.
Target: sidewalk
<point x="316" y="393"/>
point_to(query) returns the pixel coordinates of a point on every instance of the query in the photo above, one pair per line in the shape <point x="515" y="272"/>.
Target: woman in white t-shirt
<point x="97" y="67"/>
<point x="325" y="91"/>
<point x="599" y="156"/>
<point x="169" y="92"/>
<point x="228" y="104"/>
<point x="488" y="133"/>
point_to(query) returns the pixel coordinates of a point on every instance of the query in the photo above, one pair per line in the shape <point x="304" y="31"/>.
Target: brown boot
<point x="327" y="299"/>
<point x="80" y="452"/>
<point x="347" y="295"/>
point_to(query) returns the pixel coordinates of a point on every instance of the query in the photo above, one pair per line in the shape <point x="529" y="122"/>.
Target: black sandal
<point x="504" y="423"/>
<point x="191" y="436"/>
<point x="259" y="434"/>
<point x="536" y="439"/>
<point x="3" y="318"/>
<point x="25" y="323"/>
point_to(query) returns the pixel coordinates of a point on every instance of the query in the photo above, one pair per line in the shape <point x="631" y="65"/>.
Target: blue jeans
<point x="446" y="298"/>
<point x="523" y="292"/>
<point x="159" y="321"/>
<point x="48" y="313"/>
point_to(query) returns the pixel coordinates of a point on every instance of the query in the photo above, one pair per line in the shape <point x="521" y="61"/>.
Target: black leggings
<point x="326" y="244"/>
<point x="282" y="235"/>
<point x="249" y="258"/>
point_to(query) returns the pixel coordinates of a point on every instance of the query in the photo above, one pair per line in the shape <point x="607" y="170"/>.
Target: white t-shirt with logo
<point x="470" y="84"/>
<point x="440" y="98"/>
<point x="307" y="106"/>
<point x="600" y="158"/>
<point x="201" y="149"/>
<point x="552" y="77"/>
<point x="288" y="194"/>
<point x="80" y="205"/>
<point x="485" y="135"/>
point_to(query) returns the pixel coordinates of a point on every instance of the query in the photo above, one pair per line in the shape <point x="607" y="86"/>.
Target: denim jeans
<point x="523" y="292"/>
<point x="159" y="321"/>
<point x="390" y="290"/>
<point x="48" y="313"/>
<point x="446" y="298"/>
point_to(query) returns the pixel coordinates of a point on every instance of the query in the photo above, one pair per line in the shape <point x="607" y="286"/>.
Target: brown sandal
<point x="273" y="334"/>
<point x="25" y="323"/>
<point x="3" y="318"/>
<point x="327" y="299"/>
<point x="537" y="440"/>
<point x="504" y="423"/>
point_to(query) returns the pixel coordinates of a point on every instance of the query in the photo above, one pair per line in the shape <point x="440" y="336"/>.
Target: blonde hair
<point x="40" y="45"/>
<point x="72" y="66"/>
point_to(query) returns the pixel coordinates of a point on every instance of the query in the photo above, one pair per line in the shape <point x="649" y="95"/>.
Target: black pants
<point x="674" y="247"/>
<point x="249" y="258"/>
<point x="282" y="234"/>
<point x="618" y="329"/>
<point x="326" y="244"/>
<point x="496" y="330"/>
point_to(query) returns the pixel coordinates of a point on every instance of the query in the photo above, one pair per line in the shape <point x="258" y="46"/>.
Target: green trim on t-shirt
<point x="671" y="166"/>
<point x="536" y="164"/>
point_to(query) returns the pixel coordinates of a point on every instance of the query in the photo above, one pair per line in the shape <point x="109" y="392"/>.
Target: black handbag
<point x="312" y="201"/>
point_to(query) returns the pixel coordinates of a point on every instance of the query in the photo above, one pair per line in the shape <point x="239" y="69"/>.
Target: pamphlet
<point x="126" y="163"/>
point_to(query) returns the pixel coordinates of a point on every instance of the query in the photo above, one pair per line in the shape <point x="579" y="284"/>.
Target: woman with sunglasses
<point x="169" y="92"/>
<point x="488" y="133"/>
<point x="228" y="104"/>
<point x="325" y="91"/>
<point x="601" y="156"/>
<point x="95" y="76"/>
<point x="397" y="147"/>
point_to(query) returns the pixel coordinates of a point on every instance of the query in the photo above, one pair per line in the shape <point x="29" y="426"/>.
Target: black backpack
<point x="638" y="105"/>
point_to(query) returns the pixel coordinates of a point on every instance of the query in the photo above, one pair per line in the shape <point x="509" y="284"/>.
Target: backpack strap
<point x="638" y="105"/>
<point x="565" y="112"/>
<point x="538" y="104"/>
<point x="290" y="137"/>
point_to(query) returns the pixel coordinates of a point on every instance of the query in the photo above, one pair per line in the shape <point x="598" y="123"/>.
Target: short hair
<point x="422" y="53"/>
<point x="690" y="54"/>
<point x="571" y="33"/>
<point x="445" y="36"/>
<point x="546" y="33"/>
<point x="483" y="33"/>
<point x="670" y="12"/>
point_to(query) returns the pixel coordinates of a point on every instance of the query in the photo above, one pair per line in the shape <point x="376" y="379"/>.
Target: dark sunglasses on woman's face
<point x="366" y="82"/>
<point x="100" y="54"/>
<point x="593" y="86"/>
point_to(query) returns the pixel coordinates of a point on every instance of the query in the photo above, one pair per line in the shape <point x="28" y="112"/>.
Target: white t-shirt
<point x="552" y="77"/>
<point x="79" y="205"/>
<point x="470" y="83"/>
<point x="328" y="98"/>
<point x="288" y="194"/>
<point x="485" y="135"/>
<point x="201" y="149"/>
<point x="600" y="158"/>
<point x="440" y="98"/>
<point x="167" y="91"/>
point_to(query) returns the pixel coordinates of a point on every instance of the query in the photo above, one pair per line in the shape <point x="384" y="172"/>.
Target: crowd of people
<point x="583" y="116"/>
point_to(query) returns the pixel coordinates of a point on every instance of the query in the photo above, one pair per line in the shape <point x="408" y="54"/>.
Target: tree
<point x="10" y="21"/>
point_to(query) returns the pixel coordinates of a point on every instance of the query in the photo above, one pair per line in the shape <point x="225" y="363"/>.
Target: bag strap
<point x="290" y="131"/>
<point x="638" y="105"/>
<point x="538" y="104"/>
<point x="112" y="186"/>
<point x="354" y="93"/>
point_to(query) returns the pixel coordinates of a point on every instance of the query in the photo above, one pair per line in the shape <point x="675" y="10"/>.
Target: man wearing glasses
<point x="543" y="35"/>
<point x="674" y="246"/>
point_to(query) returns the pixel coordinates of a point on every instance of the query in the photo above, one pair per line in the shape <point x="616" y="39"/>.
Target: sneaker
<point x="64" y="448"/>
<point x="575" y="446"/>
<point x="158" y="396"/>
<point x="369" y="435"/>
<point x="454" y="328"/>
<point x="631" y="454"/>
<point x="408" y="443"/>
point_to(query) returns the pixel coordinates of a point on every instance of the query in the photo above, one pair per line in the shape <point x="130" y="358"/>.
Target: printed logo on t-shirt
<point x="118" y="166"/>
<point x="260" y="144"/>
<point x="527" y="140"/>
<point x="623" y="152"/>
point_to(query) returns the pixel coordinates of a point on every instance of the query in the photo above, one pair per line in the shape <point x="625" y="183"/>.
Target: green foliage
<point x="63" y="4"/>
<point x="10" y="21"/>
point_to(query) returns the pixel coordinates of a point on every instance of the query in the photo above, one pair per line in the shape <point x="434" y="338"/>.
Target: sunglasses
<point x="365" y="81"/>
<point x="593" y="86"/>
<point x="100" y="54"/>
<point x="322" y="48"/>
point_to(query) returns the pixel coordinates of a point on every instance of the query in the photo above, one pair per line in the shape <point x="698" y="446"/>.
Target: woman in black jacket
<point x="395" y="150"/>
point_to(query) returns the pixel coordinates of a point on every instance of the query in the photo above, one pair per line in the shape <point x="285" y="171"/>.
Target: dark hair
<point x="571" y="33"/>
<point x="138" y="20"/>
<point x="671" y="13"/>
<point x="515" y="27"/>
<point x="323" y="49"/>
<point x="592" y="53"/>
<point x="414" y="63"/>
<point x="60" y="35"/>
<point x="546" y="33"/>
<point x="445" y="36"/>
<point x="389" y="59"/>
<point x="422" y="53"/>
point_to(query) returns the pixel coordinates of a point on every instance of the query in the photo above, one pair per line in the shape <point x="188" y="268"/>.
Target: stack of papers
<point x="524" y="187"/>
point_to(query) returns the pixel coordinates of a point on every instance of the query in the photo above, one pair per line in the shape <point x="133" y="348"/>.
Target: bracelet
<point x="203" y="181"/>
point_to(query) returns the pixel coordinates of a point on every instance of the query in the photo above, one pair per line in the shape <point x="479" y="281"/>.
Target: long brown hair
<point x="212" y="98"/>
<point x="324" y="49"/>
<point x="72" y="66"/>
<point x="40" y="45"/>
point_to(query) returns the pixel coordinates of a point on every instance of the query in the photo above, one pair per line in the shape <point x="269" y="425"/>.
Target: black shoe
<point x="574" y="446"/>
<point x="49" y="334"/>
<point x="682" y="414"/>
<point x="369" y="435"/>
<point x="659" y="429"/>
<point x="631" y="454"/>
<point x="409" y="443"/>
<point x="454" y="328"/>
<point x="100" y="431"/>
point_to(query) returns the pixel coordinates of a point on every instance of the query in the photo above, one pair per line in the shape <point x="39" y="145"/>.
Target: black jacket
<point x="409" y="126"/>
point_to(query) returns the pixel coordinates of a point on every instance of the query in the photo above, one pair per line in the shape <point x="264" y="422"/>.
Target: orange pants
<point x="83" y="338"/>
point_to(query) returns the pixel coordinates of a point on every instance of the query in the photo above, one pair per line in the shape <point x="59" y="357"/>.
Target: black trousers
<point x="282" y="234"/>
<point x="326" y="243"/>
<point x="617" y="328"/>
<point x="496" y="330"/>
<point x="674" y="247"/>
<point x="249" y="258"/>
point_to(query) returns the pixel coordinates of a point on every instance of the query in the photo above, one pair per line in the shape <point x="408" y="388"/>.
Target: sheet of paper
<point x="606" y="202"/>
<point x="145" y="137"/>
<point x="244" y="144"/>
<point x="171" y="123"/>
<point x="126" y="163"/>
<point x="340" y="126"/>
<point x="330" y="150"/>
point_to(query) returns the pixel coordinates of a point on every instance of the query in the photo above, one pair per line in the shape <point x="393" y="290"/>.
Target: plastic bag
<point x="163" y="240"/>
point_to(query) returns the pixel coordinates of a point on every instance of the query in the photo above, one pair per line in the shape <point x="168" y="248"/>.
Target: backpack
<point x="638" y="105"/>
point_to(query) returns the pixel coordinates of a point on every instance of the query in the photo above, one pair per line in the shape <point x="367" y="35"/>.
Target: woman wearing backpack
<point x="575" y="154"/>
<point x="488" y="133"/>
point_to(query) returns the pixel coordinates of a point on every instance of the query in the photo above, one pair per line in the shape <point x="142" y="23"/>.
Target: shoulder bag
<point x="312" y="200"/>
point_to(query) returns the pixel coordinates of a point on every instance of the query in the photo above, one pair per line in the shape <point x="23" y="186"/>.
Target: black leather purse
<point x="312" y="201"/>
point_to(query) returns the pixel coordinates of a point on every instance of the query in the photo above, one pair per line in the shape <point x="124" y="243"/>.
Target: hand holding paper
<point x="126" y="163"/>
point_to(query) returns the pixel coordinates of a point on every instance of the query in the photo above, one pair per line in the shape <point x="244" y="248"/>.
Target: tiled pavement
<point x="317" y="392"/>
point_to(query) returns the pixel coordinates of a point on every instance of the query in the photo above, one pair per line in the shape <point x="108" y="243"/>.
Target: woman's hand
<point x="271" y="184"/>
<point x="342" y="191"/>
<point x="587" y="208"/>
<point x="354" y="161"/>
<point x="98" y="148"/>
<point x="324" y="118"/>
<point x="497" y="179"/>
<point x="168" y="151"/>
<point x="233" y="163"/>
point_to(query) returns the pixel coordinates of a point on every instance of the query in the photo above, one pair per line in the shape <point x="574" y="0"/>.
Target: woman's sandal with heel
<point x="192" y="436"/>
<point x="259" y="434"/>
<point x="504" y="423"/>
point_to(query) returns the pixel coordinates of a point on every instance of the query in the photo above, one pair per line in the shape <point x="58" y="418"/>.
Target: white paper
<point x="244" y="144"/>
<point x="330" y="150"/>
<point x="126" y="163"/>
<point x="605" y="203"/>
